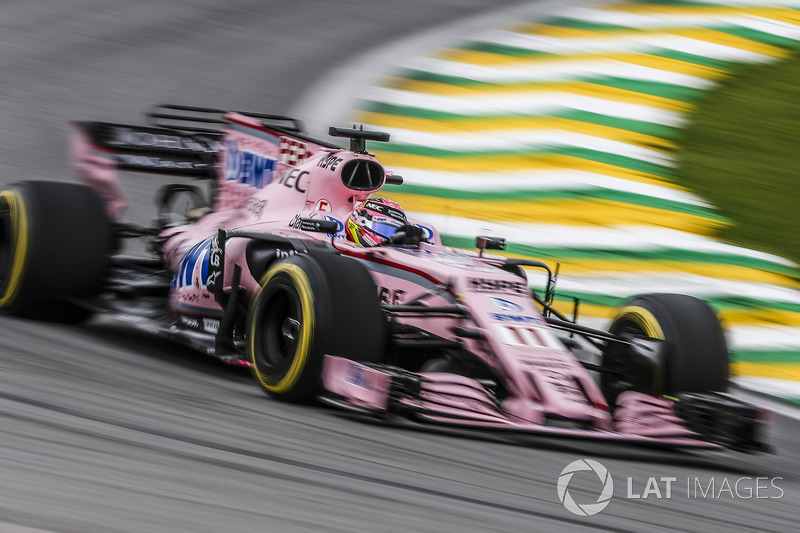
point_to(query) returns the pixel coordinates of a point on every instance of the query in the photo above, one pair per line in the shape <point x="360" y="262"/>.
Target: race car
<point x="258" y="271"/>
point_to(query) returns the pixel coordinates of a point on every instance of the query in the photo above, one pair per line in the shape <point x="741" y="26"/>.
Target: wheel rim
<point x="280" y="329"/>
<point x="613" y="383"/>
<point x="625" y="326"/>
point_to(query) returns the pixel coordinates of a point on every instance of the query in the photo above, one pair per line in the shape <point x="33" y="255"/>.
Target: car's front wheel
<point x="309" y="306"/>
<point x="696" y="355"/>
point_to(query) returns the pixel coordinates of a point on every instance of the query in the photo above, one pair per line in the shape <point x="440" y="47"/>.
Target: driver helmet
<point x="374" y="221"/>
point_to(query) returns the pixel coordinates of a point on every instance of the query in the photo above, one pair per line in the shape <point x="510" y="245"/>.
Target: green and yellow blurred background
<point x="647" y="146"/>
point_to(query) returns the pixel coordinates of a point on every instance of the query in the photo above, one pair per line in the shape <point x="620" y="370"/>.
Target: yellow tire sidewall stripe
<point x="303" y="287"/>
<point x="642" y="318"/>
<point x="18" y="244"/>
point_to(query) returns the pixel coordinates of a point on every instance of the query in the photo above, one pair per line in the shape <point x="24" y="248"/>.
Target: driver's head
<point x="374" y="221"/>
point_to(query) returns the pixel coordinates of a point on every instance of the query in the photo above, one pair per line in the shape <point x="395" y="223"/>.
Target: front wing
<point x="708" y="420"/>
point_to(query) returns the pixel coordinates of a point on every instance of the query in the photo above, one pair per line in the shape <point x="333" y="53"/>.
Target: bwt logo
<point x="587" y="509"/>
<point x="246" y="167"/>
<point x="505" y="305"/>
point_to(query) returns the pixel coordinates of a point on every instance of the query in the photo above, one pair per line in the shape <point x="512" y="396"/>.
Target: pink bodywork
<point x="457" y="400"/>
<point x="268" y="180"/>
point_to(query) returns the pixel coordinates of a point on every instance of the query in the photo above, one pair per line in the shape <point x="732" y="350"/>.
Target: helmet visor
<point x="383" y="229"/>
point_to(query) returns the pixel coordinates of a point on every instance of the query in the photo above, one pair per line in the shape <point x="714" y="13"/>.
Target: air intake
<point x="362" y="175"/>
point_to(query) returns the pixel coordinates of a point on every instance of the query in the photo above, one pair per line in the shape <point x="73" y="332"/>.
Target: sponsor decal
<point x="329" y="161"/>
<point x="387" y="210"/>
<point x="125" y="137"/>
<point x="158" y="163"/>
<point x="515" y="319"/>
<point x="498" y="285"/>
<point x="208" y="325"/>
<point x="246" y="167"/>
<point x="505" y="305"/>
<point x="189" y="322"/>
<point x="312" y="223"/>
<point x="198" y="255"/>
<point x="211" y="325"/>
<point x="297" y="179"/>
<point x="254" y="206"/>
<point x="390" y="296"/>
<point x="292" y="151"/>
<point x="215" y="253"/>
<point x="440" y="397"/>
<point x="357" y="376"/>
<point x="212" y="278"/>
<point x="323" y="205"/>
<point x="283" y="254"/>
<point x="216" y="257"/>
<point x="556" y="374"/>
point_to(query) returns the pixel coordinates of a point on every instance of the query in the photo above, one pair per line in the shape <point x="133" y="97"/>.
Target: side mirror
<point x="490" y="243"/>
<point x="320" y="226"/>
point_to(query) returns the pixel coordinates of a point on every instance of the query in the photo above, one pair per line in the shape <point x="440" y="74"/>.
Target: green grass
<point x="741" y="152"/>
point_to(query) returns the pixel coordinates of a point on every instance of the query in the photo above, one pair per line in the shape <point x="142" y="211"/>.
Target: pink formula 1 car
<point x="262" y="275"/>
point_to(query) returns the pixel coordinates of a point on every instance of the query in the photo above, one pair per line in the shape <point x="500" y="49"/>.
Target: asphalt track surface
<point x="106" y="430"/>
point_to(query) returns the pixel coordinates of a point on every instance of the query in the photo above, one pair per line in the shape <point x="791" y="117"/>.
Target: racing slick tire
<point x="55" y="240"/>
<point x="696" y="357"/>
<point x="309" y="306"/>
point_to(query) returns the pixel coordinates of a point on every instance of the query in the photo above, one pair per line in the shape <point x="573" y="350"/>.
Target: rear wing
<point x="199" y="121"/>
<point x="180" y="140"/>
<point x="147" y="149"/>
<point x="210" y="121"/>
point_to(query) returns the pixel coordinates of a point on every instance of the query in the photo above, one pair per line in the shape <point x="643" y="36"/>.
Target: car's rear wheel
<point x="55" y="240"/>
<point x="309" y="306"/>
<point x="696" y="356"/>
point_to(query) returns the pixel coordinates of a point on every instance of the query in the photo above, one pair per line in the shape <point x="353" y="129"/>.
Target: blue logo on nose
<point x="505" y="305"/>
